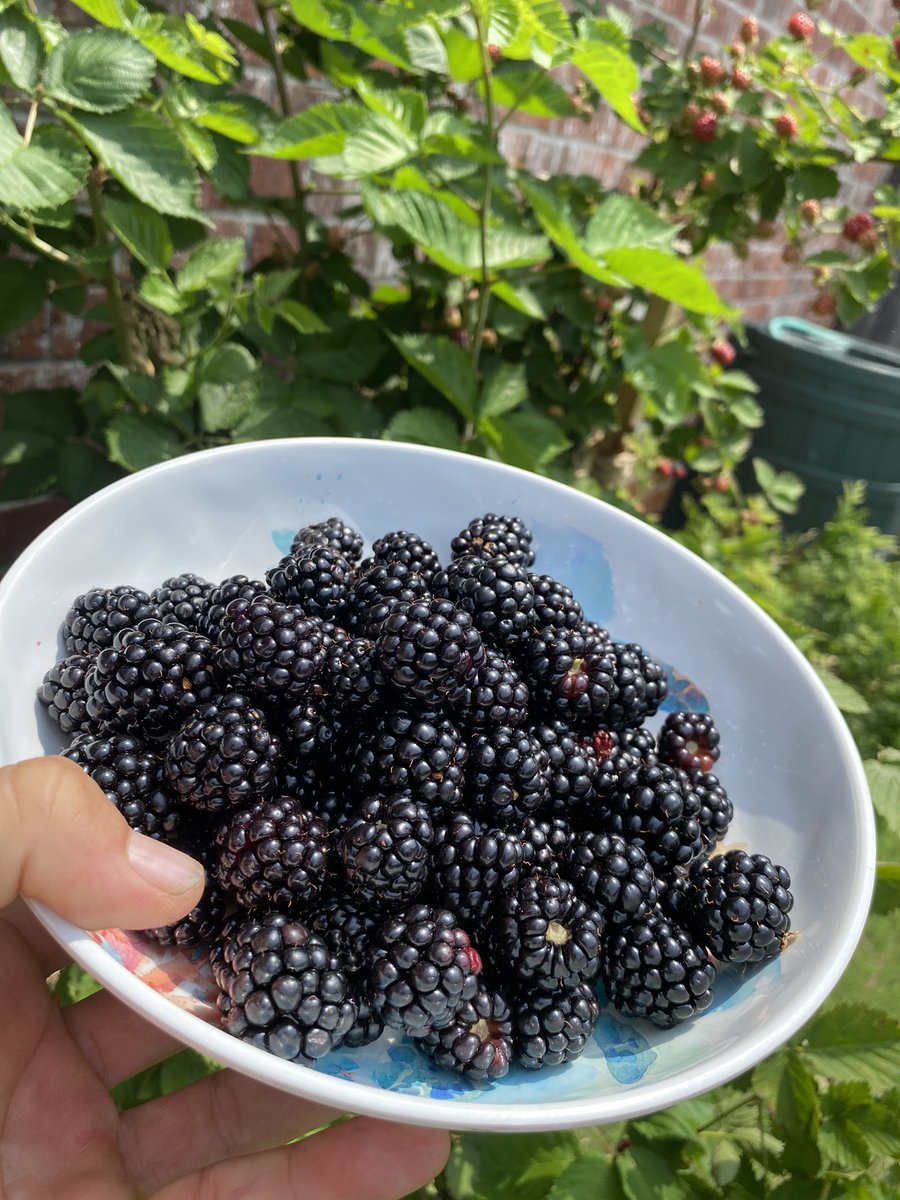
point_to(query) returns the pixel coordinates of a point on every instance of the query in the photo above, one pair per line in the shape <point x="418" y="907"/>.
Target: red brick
<point x="28" y="343"/>
<point x="270" y="240"/>
<point x="43" y="375"/>
<point x="270" y="177"/>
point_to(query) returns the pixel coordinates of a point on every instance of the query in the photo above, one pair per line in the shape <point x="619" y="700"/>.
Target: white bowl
<point x="788" y="761"/>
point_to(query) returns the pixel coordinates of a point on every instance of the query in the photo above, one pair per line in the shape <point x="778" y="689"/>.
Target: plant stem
<point x="284" y="101"/>
<point x="30" y="122"/>
<point x="484" y="211"/>
<point x="523" y="94"/>
<point x="114" y="292"/>
<point x="699" y="14"/>
<point x="37" y="243"/>
<point x="629" y="398"/>
<point x="726" y="1112"/>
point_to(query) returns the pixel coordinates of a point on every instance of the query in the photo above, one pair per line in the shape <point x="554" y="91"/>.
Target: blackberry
<point x="131" y="775"/>
<point x="471" y="864"/>
<point x="421" y="969"/>
<point x="553" y="1027"/>
<point x="554" y="604"/>
<point x="655" y="809"/>
<point x="98" y="615"/>
<point x="376" y="592"/>
<point x="606" y="749"/>
<point x="330" y="532"/>
<point x="429" y="650"/>
<point x="367" y="1027"/>
<point x="508" y="773"/>
<point x="346" y="928"/>
<point x="420" y="753"/>
<point x="640" y="687"/>
<point x="570" y="674"/>
<point x="315" y="578"/>
<point x="592" y="629"/>
<point x="331" y="807"/>
<point x="151" y="678"/>
<point x="571" y="771"/>
<point x="612" y="874"/>
<point x="273" y="649"/>
<point x="197" y="927"/>
<point x="654" y="970"/>
<point x="499" y="695"/>
<point x="282" y="991"/>
<point x="415" y="554"/>
<point x="543" y="842"/>
<point x="640" y="744"/>
<point x="223" y="756"/>
<point x="716" y="810"/>
<point x="273" y="855"/>
<point x="235" y="587"/>
<point x="352" y="676"/>
<point x="310" y="730"/>
<point x="689" y="741"/>
<point x="675" y="892"/>
<point x="384" y="847"/>
<point x="63" y="695"/>
<point x="491" y="535"/>
<point x="547" y="934"/>
<point x="741" y="904"/>
<point x="182" y="599"/>
<point x="496" y="594"/>
<point x="478" y="1041"/>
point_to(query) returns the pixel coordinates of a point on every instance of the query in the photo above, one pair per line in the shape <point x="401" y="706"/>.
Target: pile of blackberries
<point x="424" y="797"/>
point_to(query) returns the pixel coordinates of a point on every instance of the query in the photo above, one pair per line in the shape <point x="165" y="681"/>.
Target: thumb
<point x="64" y="843"/>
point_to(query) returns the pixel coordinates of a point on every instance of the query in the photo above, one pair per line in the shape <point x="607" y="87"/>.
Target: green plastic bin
<point x="832" y="413"/>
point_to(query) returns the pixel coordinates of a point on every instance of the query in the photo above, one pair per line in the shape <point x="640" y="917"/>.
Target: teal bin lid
<point x="806" y="335"/>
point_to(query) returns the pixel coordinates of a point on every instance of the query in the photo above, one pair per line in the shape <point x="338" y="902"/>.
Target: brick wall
<point x="44" y="353"/>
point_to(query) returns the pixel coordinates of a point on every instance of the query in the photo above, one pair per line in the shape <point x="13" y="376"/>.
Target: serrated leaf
<point x="100" y="70"/>
<point x="143" y="231"/>
<point x="426" y="426"/>
<point x="136" y="442"/>
<point x="301" y="318"/>
<point x="884" y="784"/>
<point x="528" y="92"/>
<point x="614" y="74"/>
<point x="445" y="365"/>
<point x="504" y="390"/>
<point x="555" y="221"/>
<point x="463" y="55"/>
<point x="782" y="489"/>
<point x="531" y="440"/>
<point x="107" y="12"/>
<point x="797" y="1114"/>
<point x="228" y="387"/>
<point x="623" y="221"/>
<point x="520" y="297"/>
<point x="672" y="278"/>
<point x="21" y="50"/>
<point x="44" y="174"/>
<point x="213" y="262"/>
<point x="589" y="1177"/>
<point x="242" y="119"/>
<point x="146" y="157"/>
<point x="851" y="1042"/>
<point x="319" y="131"/>
<point x="845" y="697"/>
<point x="161" y="292"/>
<point x="645" y="1175"/>
<point x="376" y="146"/>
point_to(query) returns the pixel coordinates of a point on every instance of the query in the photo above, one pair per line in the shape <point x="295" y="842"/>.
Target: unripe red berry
<point x="749" y="30"/>
<point x="603" y="303"/>
<point x="737" y="50"/>
<point x="691" y="111"/>
<point x="741" y="79"/>
<point x="666" y="467"/>
<point x="810" y="211"/>
<point x="711" y="70"/>
<point x="786" y="125"/>
<point x="870" y="240"/>
<point x="681" y="471"/>
<point x="705" y="127"/>
<point x="723" y="352"/>
<point x="857" y="226"/>
<point x="825" y="305"/>
<point x="721" y="483"/>
<point x="801" y="26"/>
<point x="720" y="103"/>
<point x="708" y="181"/>
<point x="493" y="51"/>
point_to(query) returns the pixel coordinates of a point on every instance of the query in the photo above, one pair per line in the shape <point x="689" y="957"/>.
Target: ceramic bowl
<point x="788" y="759"/>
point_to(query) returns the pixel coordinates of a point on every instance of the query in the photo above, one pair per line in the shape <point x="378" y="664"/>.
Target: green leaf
<point x="143" y="231"/>
<point x="590" y="1177"/>
<point x="672" y="278"/>
<point x="160" y="291"/>
<point x="445" y="365"/>
<point x="136" y="442"/>
<point x="841" y="1140"/>
<point x="531" y="440"/>
<point x="213" y="262"/>
<point x="318" y="131"/>
<point x="101" y="70"/>
<point x="645" y="1175"/>
<point x="845" y="697"/>
<point x="228" y="387"/>
<point x="107" y="12"/>
<point x="83" y="470"/>
<point x="623" y="221"/>
<point x="884" y="784"/>
<point x="851" y="1041"/>
<point x="504" y="390"/>
<point x="782" y="489"/>
<point x="20" y="445"/>
<point x="146" y="157"/>
<point x="614" y="74"/>
<point x="21" y="50"/>
<point x="52" y="412"/>
<point x="376" y="146"/>
<point x="463" y="55"/>
<point x="351" y="352"/>
<point x="301" y="318"/>
<point x="797" y="1114"/>
<point x="23" y="291"/>
<point x="44" y="174"/>
<point x="528" y="91"/>
<point x="550" y="211"/>
<point x="426" y="426"/>
<point x="242" y="119"/>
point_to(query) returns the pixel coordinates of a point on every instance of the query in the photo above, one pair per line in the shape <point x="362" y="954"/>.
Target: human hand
<point x="61" y="1135"/>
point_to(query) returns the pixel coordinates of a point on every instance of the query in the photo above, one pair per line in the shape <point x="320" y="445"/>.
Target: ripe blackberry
<point x="491" y="535"/>
<point x="716" y="809"/>
<point x="656" y="809"/>
<point x="311" y="730"/>
<point x="273" y="649"/>
<point x="499" y="695"/>
<point x="346" y="927"/>
<point x="273" y="855"/>
<point x="383" y="848"/>
<point x="352" y="676"/>
<point x="471" y="863"/>
<point x="546" y="933"/>
<point x="553" y="1027"/>
<point x="63" y="695"/>
<point x="333" y="808"/>
<point x="594" y="630"/>
<point x="689" y="741"/>
<point x="478" y="1041"/>
<point x="367" y="1027"/>
<point x="376" y="592"/>
<point x="740" y="906"/>
<point x="235" y="587"/>
<point x="543" y="842"/>
<point x="223" y="756"/>
<point x="151" y="678"/>
<point x="496" y="594"/>
<point x="554" y="604"/>
<point x="640" y="687"/>
<point x="415" y="554"/>
<point x="315" y="578"/>
<point x="420" y="753"/>
<point x="99" y="614"/>
<point x="281" y="990"/>
<point x="421" y="969"/>
<point x="182" y="599"/>
<point x="570" y="674"/>
<point x="654" y="970"/>
<point x="330" y="532"/>
<point x="131" y="775"/>
<point x="199" y="926"/>
<point x="571" y="771"/>
<point x="675" y="892"/>
<point x="508" y="774"/>
<point x="429" y="650"/>
<point x="640" y="744"/>
<point x="611" y="874"/>
<point x="605" y="748"/>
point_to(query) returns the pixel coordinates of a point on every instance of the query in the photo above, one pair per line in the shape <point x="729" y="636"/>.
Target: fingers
<point x="65" y="844"/>
<point x="356" y="1159"/>
<point x="114" y="1039"/>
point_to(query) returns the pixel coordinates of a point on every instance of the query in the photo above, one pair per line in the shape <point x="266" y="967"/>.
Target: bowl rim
<point x="624" y="1102"/>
